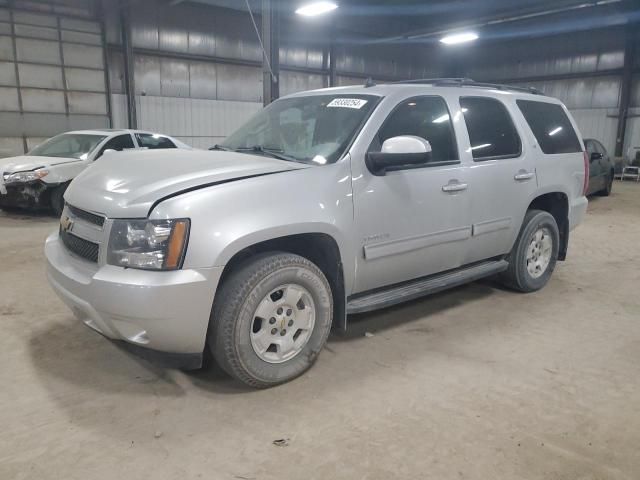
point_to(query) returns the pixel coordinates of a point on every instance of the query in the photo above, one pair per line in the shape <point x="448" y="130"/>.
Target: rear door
<point x="595" y="166"/>
<point x="502" y="178"/>
<point x="605" y="163"/>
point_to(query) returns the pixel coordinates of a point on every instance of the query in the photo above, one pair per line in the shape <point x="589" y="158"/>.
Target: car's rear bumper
<point x="161" y="311"/>
<point x="577" y="211"/>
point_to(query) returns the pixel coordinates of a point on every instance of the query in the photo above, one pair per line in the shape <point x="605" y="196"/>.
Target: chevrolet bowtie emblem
<point x="66" y="224"/>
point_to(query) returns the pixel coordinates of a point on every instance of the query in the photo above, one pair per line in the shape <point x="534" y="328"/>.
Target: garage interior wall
<point x="52" y="74"/>
<point x="582" y="69"/>
<point x="198" y="75"/>
<point x="198" y="71"/>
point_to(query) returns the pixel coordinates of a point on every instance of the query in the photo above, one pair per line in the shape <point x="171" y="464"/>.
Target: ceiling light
<point x="462" y="37"/>
<point x="316" y="8"/>
<point x="442" y="118"/>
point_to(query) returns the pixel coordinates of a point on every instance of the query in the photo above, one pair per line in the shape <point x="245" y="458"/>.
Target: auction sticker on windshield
<point x="347" y="103"/>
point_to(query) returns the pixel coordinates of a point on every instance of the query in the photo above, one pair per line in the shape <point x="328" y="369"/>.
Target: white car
<point x="40" y="178"/>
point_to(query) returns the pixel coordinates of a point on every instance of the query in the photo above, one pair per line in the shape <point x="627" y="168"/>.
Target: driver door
<point x="414" y="222"/>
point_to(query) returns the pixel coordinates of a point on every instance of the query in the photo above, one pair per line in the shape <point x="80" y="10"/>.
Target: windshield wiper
<point x="273" y="152"/>
<point x="220" y="147"/>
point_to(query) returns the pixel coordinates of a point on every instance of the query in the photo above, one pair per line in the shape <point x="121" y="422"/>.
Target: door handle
<point x="521" y="177"/>
<point x="454" y="187"/>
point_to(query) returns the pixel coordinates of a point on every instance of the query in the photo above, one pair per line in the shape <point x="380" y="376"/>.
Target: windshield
<point x="312" y="129"/>
<point x="68" y="145"/>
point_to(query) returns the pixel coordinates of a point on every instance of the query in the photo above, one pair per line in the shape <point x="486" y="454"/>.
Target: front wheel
<point x="535" y="253"/>
<point x="270" y="319"/>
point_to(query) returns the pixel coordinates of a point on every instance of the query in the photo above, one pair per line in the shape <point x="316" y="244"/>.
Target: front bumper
<point x="158" y="311"/>
<point x="25" y="195"/>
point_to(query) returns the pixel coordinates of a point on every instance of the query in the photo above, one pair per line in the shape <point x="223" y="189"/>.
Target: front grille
<point x="79" y="246"/>
<point x="86" y="216"/>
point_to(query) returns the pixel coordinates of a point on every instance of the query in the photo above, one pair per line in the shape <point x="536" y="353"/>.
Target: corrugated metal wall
<point x="52" y="73"/>
<point x="593" y="100"/>
<point x="197" y="52"/>
<point x="198" y="75"/>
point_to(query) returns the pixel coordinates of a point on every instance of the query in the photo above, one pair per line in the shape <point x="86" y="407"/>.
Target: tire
<point x="519" y="275"/>
<point x="57" y="199"/>
<point x="606" y="191"/>
<point x="239" y="331"/>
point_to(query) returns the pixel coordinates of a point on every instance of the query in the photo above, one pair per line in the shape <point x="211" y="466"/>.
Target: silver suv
<point x="326" y="203"/>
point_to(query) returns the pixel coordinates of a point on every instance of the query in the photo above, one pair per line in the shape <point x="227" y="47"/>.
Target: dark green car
<point x="600" y="168"/>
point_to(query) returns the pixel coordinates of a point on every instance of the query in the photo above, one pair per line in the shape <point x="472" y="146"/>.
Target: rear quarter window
<point x="551" y="127"/>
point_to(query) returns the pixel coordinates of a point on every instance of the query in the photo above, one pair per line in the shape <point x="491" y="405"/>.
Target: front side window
<point x="425" y="117"/>
<point x="153" y="141"/>
<point x="119" y="143"/>
<point x="492" y="134"/>
<point x="551" y="126"/>
<point x="68" y="145"/>
<point x="313" y="129"/>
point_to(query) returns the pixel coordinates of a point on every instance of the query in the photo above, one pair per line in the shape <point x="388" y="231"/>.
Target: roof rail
<point x="467" y="82"/>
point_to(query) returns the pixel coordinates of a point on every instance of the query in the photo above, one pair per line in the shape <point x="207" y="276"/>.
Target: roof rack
<point x="467" y="82"/>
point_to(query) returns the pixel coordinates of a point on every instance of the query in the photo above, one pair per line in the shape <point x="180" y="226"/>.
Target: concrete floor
<point x="476" y="383"/>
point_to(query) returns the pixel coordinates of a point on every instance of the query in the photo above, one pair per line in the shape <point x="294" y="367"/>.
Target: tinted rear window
<point x="152" y="141"/>
<point x="551" y="126"/>
<point x="491" y="131"/>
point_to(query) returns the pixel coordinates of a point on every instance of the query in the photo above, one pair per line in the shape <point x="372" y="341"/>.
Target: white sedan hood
<point x="28" y="162"/>
<point x="128" y="184"/>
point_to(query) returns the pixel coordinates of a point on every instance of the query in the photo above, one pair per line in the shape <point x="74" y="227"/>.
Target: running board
<point x="423" y="286"/>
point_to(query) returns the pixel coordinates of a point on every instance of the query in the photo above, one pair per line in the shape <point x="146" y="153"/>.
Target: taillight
<point x="586" y="173"/>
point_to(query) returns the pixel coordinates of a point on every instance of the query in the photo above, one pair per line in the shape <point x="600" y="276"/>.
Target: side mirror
<point x="595" y="156"/>
<point x="399" y="153"/>
<point x="108" y="150"/>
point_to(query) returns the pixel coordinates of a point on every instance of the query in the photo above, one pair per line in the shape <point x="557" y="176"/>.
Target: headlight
<point x="24" y="177"/>
<point x="148" y="244"/>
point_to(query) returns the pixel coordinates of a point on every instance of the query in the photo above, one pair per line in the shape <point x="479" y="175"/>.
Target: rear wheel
<point x="535" y="253"/>
<point x="57" y="199"/>
<point x="270" y="319"/>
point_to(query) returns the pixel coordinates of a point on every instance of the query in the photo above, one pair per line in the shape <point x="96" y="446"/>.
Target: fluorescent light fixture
<point x="478" y="147"/>
<point x="445" y="117"/>
<point x="554" y="131"/>
<point x="316" y="8"/>
<point x="461" y="37"/>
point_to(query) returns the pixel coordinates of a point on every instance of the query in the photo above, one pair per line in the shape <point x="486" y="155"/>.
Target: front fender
<point x="230" y="217"/>
<point x="64" y="172"/>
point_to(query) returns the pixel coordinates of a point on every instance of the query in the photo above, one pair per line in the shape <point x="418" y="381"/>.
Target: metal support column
<point x="271" y="54"/>
<point x="625" y="88"/>
<point x="127" y="48"/>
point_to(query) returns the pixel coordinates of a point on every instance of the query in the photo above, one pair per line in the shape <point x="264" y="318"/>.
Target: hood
<point x="29" y="162"/>
<point x="128" y="184"/>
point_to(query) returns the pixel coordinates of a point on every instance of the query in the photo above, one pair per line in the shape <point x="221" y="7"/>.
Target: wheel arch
<point x="557" y="204"/>
<point x="318" y="247"/>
